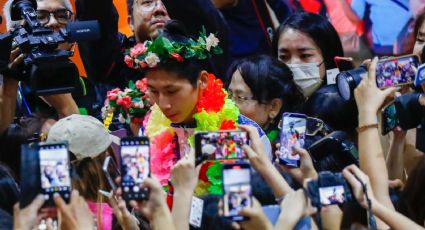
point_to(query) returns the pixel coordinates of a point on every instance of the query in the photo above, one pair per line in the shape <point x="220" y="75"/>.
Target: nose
<point x="294" y="60"/>
<point x="53" y="23"/>
<point x="163" y="103"/>
<point x="159" y="8"/>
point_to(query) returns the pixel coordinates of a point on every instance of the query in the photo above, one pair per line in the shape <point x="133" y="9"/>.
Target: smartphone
<point x="30" y="184"/>
<point x="220" y="145"/>
<point x="55" y="173"/>
<point x="135" y="167"/>
<point x="332" y="195"/>
<point x="396" y="71"/>
<point x="292" y="135"/>
<point x="344" y="63"/>
<point x="389" y="119"/>
<point x="237" y="190"/>
<point x="111" y="171"/>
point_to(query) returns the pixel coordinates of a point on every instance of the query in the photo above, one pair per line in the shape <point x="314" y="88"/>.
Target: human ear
<point x="275" y="107"/>
<point x="130" y="22"/>
<point x="203" y="79"/>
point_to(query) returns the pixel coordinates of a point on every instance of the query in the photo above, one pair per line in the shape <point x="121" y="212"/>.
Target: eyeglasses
<point x="62" y="16"/>
<point x="239" y="99"/>
<point x="149" y="5"/>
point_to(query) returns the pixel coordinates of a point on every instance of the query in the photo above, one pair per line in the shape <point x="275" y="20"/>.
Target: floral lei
<point x="215" y="111"/>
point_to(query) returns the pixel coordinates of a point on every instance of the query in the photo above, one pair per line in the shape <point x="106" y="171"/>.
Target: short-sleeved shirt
<point x="388" y="17"/>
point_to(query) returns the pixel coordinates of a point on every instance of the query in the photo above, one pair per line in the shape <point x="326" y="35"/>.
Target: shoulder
<point x="242" y="120"/>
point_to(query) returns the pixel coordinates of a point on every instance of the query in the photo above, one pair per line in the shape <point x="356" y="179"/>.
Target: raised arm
<point x="103" y="58"/>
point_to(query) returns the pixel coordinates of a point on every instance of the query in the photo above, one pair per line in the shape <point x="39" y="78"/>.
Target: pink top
<point x="106" y="214"/>
<point x="338" y="18"/>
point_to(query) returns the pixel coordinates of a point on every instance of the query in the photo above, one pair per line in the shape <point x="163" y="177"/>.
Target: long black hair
<point x="319" y="29"/>
<point x="9" y="193"/>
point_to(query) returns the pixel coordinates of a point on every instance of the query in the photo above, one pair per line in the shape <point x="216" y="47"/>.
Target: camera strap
<point x="371" y="218"/>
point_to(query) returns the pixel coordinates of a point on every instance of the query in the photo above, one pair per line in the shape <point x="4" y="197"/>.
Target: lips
<point x="158" y="22"/>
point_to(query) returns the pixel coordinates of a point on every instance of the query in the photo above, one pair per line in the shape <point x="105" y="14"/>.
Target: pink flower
<point x="113" y="94"/>
<point x="124" y="102"/>
<point x="142" y="85"/>
<point x="177" y="57"/>
<point x="137" y="50"/>
<point x="129" y="61"/>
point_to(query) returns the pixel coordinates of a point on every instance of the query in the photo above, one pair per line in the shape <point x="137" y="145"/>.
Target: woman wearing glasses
<point x="263" y="88"/>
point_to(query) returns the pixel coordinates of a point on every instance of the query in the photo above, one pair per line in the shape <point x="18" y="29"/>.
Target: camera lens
<point x="347" y="81"/>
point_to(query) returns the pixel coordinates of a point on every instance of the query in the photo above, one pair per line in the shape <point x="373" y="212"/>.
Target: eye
<point x="420" y="40"/>
<point x="283" y="57"/>
<point x="305" y="56"/>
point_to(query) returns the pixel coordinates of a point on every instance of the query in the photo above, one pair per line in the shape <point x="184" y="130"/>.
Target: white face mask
<point x="307" y="77"/>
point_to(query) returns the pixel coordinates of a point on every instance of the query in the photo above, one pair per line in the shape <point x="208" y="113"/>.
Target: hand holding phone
<point x="135" y="167"/>
<point x="220" y="145"/>
<point x="54" y="172"/>
<point x="396" y="71"/>
<point x="292" y="135"/>
<point x="237" y="190"/>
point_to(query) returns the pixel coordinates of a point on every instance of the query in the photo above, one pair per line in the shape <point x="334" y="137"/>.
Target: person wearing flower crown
<point x="187" y="98"/>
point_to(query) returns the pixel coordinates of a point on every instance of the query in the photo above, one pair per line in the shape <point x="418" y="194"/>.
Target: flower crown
<point x="131" y="104"/>
<point x="150" y="53"/>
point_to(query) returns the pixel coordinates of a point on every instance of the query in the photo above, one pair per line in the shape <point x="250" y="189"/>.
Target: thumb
<point x="387" y="92"/>
<point x="37" y="203"/>
<point x="300" y="152"/>
<point x="250" y="153"/>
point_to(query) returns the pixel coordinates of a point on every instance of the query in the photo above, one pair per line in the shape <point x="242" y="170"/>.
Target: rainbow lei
<point x="215" y="111"/>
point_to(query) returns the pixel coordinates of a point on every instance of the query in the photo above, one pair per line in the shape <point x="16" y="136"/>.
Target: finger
<point x="37" y="203"/>
<point x="372" y="71"/>
<point x="49" y="224"/>
<point x="253" y="135"/>
<point x="59" y="202"/>
<point x="122" y="207"/>
<point x="387" y="92"/>
<point x="352" y="180"/>
<point x="134" y="205"/>
<point x="75" y="195"/>
<point x="236" y="226"/>
<point x="250" y="153"/>
<point x="14" y="53"/>
<point x="191" y="156"/>
<point x="301" y="152"/>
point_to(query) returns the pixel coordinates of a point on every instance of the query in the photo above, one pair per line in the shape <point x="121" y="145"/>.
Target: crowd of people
<point x="300" y="155"/>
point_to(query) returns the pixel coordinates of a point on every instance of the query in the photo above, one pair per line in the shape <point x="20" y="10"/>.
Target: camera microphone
<point x="82" y="31"/>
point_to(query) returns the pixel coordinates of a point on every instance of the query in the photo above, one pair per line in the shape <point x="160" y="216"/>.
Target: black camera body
<point x="333" y="152"/>
<point x="330" y="188"/>
<point x="49" y="69"/>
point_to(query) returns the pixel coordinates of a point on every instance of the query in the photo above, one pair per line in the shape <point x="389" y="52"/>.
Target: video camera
<point x="333" y="152"/>
<point x="48" y="68"/>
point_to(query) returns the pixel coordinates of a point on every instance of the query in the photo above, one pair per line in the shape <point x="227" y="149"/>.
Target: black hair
<point x="130" y="7"/>
<point x="268" y="78"/>
<point x="319" y="29"/>
<point x="188" y="69"/>
<point x="9" y="193"/>
<point x="327" y="105"/>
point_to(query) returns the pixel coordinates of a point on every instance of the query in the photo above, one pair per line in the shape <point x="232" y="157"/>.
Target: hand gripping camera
<point x="48" y="68"/>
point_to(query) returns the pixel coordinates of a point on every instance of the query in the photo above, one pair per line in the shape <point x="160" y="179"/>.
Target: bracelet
<point x="365" y="127"/>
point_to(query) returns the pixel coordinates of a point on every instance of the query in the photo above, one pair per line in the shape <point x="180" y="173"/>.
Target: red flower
<point x="213" y="97"/>
<point x="203" y="171"/>
<point x="124" y="102"/>
<point x="142" y="85"/>
<point x="177" y="57"/>
<point x="137" y="50"/>
<point x="136" y="120"/>
<point x="129" y="61"/>
<point x="113" y="94"/>
<point x="228" y="125"/>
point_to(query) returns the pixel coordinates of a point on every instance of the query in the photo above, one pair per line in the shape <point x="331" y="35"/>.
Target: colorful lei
<point x="131" y="104"/>
<point x="215" y="111"/>
<point x="151" y="53"/>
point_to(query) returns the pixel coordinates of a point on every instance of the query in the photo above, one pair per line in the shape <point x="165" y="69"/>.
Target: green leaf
<point x="131" y="85"/>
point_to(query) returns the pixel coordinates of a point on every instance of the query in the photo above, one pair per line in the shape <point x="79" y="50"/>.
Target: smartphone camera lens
<point x="347" y="81"/>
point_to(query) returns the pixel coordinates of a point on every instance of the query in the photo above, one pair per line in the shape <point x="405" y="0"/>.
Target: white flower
<point x="152" y="59"/>
<point x="106" y="110"/>
<point x="127" y="90"/>
<point x="212" y="41"/>
<point x="121" y="119"/>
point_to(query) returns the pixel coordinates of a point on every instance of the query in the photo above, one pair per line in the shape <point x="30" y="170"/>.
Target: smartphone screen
<point x="331" y="195"/>
<point x="396" y="71"/>
<point x="54" y="171"/>
<point x="111" y="171"/>
<point x="135" y="167"/>
<point x="220" y="145"/>
<point x="389" y="119"/>
<point x="292" y="135"/>
<point x="237" y="190"/>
